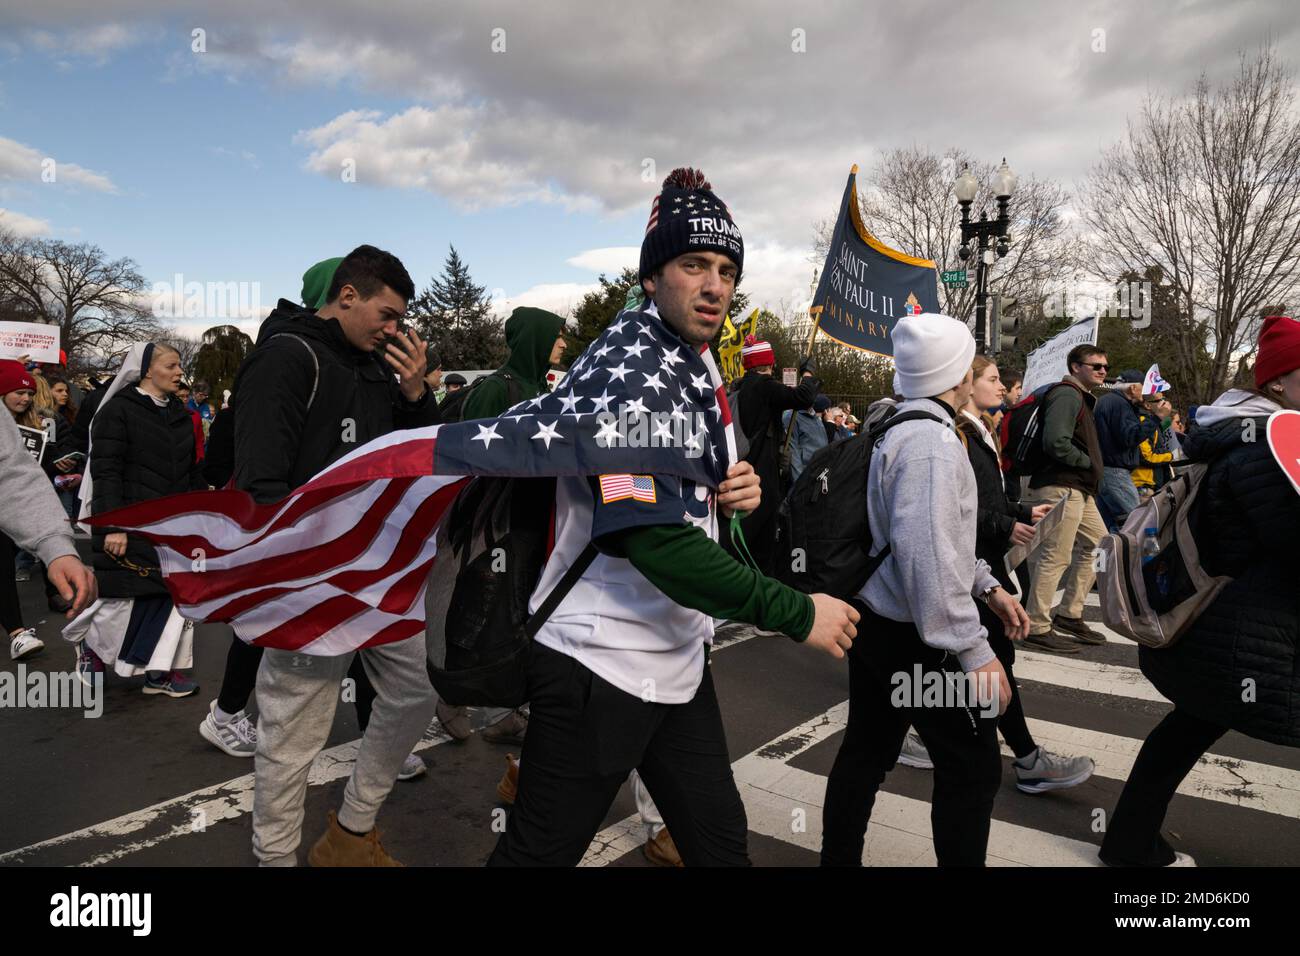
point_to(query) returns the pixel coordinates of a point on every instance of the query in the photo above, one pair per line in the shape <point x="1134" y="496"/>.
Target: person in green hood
<point x="536" y="342"/>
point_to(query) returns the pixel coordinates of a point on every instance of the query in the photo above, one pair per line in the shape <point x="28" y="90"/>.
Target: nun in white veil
<point x="137" y="630"/>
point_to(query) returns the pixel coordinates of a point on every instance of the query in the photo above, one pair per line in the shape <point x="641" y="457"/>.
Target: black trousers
<point x="242" y="661"/>
<point x="1168" y="755"/>
<point x="585" y="736"/>
<point x="11" y="613"/>
<point x="962" y="742"/>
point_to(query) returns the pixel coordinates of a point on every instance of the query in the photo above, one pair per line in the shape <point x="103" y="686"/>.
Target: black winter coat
<point x="1247" y="527"/>
<point x="279" y="442"/>
<point x="762" y="399"/>
<point x="139" y="452"/>
<point x="995" y="516"/>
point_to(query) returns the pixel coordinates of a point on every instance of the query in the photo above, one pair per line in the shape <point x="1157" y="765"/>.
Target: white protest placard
<point x="1046" y="364"/>
<point x="1019" y="553"/>
<point x="789" y="376"/>
<point x="34" y="339"/>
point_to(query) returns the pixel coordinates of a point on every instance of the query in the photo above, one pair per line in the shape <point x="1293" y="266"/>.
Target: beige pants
<point x="1068" y="551"/>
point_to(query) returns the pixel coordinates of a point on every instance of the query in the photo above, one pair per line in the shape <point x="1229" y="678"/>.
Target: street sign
<point x="954" y="277"/>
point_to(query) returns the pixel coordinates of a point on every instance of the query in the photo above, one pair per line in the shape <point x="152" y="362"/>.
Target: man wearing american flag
<point x="618" y="677"/>
<point x="639" y="437"/>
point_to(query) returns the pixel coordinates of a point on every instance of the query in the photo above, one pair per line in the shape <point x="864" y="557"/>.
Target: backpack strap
<point x="915" y="415"/>
<point x="315" y="363"/>
<point x="560" y="591"/>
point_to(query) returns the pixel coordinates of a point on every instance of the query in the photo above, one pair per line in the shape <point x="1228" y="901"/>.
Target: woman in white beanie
<point x="919" y="614"/>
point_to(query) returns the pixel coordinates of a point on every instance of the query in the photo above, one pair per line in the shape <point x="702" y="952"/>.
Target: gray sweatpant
<point x="296" y="698"/>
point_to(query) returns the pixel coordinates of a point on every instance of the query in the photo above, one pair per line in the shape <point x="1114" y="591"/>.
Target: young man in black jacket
<point x="315" y="389"/>
<point x="761" y="400"/>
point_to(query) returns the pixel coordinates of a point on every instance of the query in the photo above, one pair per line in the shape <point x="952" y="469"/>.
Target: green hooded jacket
<point x="530" y="336"/>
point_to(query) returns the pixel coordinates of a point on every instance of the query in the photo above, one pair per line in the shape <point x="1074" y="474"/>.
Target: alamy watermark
<point x="1130" y="300"/>
<point x="978" y="690"/>
<point x="53" y="689"/>
<point x="207" y="300"/>
<point x="635" y="427"/>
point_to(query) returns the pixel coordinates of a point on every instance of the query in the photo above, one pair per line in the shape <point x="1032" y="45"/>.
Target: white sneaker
<point x="412" y="767"/>
<point x="238" y="737"/>
<point x="914" y="753"/>
<point x="24" y="644"/>
<point x="1182" y="859"/>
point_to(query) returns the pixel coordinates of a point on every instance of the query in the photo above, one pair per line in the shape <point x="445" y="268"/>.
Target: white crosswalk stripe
<point x="784" y="802"/>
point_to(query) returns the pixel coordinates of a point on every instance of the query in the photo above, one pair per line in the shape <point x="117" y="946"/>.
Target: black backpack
<point x="220" y="450"/>
<point x="823" y="521"/>
<point x="492" y="546"/>
<point x="452" y="408"/>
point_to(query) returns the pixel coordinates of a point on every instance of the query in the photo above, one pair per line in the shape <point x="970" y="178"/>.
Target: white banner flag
<point x="1046" y="364"/>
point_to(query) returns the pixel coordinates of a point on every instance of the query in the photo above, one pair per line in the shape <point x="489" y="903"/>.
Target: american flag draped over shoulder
<point x="343" y="561"/>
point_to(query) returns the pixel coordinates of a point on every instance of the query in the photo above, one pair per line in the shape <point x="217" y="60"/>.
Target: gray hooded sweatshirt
<point x="31" y="513"/>
<point x="921" y="498"/>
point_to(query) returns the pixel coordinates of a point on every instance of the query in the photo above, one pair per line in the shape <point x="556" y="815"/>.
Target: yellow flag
<point x="730" y="344"/>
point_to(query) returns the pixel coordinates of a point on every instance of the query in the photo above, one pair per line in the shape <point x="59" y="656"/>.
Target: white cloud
<point x="95" y="43"/>
<point x="558" y="297"/>
<point x="609" y="261"/>
<point x="21" y="162"/>
<point x="21" y="225"/>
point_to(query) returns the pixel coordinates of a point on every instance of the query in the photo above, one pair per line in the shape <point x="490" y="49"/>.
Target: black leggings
<point x="11" y="613"/>
<point x="242" y="661"/>
<point x="1168" y="755"/>
<point x="1012" y="723"/>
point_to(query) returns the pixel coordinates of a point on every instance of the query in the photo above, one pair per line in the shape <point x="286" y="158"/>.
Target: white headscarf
<point x="129" y="374"/>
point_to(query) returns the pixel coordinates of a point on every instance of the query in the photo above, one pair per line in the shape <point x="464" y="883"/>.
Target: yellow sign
<point x="730" y="344"/>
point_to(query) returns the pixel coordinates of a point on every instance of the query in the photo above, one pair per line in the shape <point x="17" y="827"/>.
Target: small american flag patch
<point x="618" y="487"/>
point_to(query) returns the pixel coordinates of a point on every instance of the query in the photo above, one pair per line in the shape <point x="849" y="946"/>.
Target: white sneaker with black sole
<point x="24" y="644"/>
<point x="237" y="737"/>
<point x="1051" y="771"/>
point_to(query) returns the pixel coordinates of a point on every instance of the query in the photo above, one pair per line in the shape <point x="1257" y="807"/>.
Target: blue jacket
<point x="809" y="437"/>
<point x="1121" y="430"/>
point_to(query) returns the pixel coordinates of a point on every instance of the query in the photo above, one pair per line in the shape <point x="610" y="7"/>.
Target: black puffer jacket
<point x="279" y="442"/>
<point x="1247" y="643"/>
<point x="995" y="516"/>
<point x="139" y="452"/>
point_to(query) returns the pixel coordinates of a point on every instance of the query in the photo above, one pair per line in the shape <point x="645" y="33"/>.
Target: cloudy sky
<point x="242" y="141"/>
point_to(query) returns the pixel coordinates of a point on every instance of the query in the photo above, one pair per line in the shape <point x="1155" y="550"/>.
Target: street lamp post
<point x="983" y="231"/>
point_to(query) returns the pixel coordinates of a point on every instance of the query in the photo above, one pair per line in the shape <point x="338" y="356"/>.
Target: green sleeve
<point x="488" y="400"/>
<point x="683" y="563"/>
<point x="1063" y="406"/>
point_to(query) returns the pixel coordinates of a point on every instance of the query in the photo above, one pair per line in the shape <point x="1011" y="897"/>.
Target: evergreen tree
<point x="220" y="353"/>
<point x="454" y="315"/>
<point x="596" y="310"/>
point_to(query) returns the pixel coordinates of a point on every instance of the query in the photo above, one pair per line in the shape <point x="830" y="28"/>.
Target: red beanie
<point x="13" y="377"/>
<point x="756" y="353"/>
<point x="1279" y="349"/>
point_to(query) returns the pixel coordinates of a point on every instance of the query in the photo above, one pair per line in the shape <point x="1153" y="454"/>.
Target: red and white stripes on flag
<point x="340" y="564"/>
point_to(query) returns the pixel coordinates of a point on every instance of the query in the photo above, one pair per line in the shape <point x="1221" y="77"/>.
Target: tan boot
<point x="661" y="850"/>
<point x="338" y="847"/>
<point x="508" y="788"/>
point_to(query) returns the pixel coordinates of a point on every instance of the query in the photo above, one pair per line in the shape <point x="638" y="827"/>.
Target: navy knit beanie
<point x="687" y="217"/>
